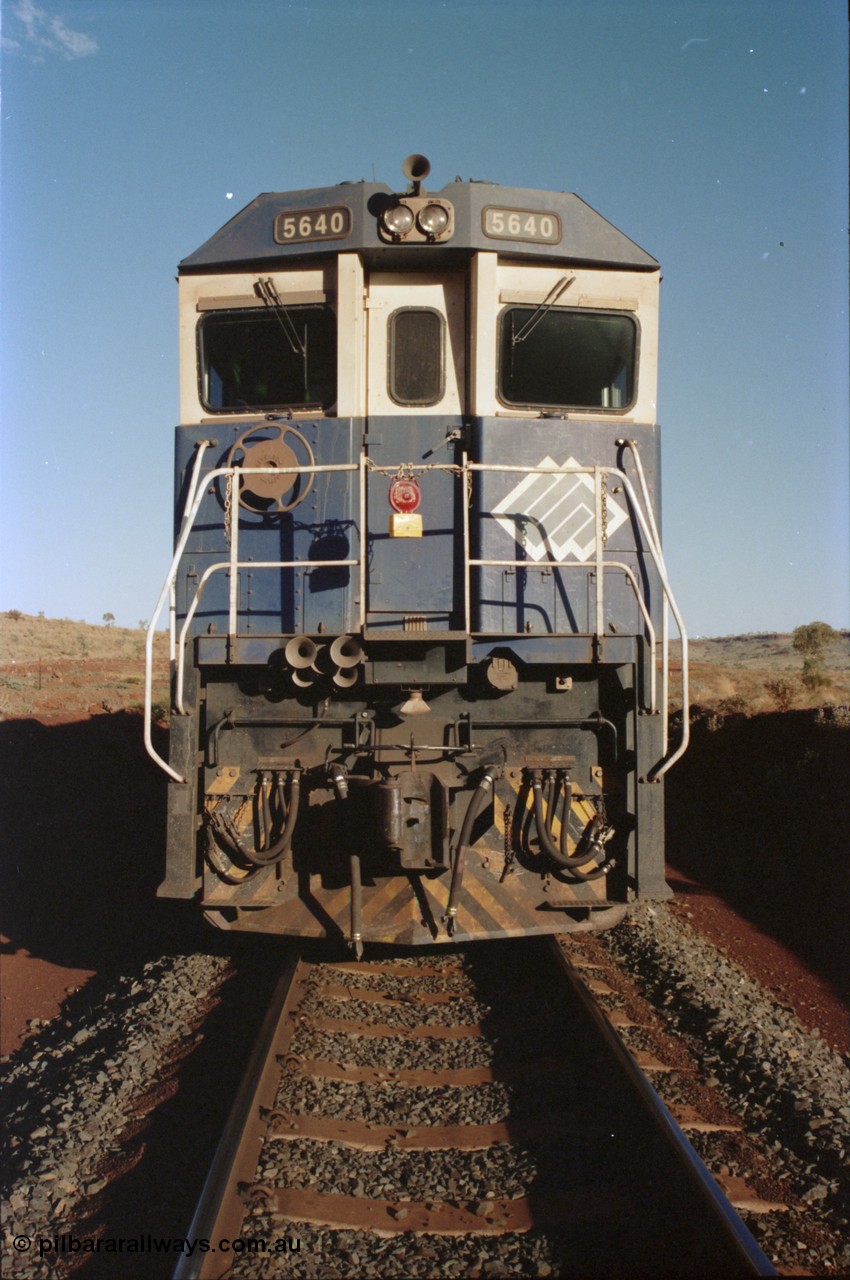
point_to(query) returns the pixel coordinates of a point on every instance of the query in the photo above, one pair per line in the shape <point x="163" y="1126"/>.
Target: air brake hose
<point x="339" y="781"/>
<point x="573" y="863"/>
<point x="281" y="847"/>
<point x="473" y="809"/>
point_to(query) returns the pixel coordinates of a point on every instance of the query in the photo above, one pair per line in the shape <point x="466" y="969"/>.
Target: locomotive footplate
<point x="411" y="909"/>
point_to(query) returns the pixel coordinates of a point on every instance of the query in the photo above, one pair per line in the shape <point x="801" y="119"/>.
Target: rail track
<point x="464" y="1113"/>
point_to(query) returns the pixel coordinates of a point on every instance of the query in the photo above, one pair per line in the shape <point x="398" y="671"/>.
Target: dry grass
<point x="55" y="666"/>
<point x="756" y="673"/>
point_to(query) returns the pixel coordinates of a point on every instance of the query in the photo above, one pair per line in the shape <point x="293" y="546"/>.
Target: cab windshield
<point x="564" y="359"/>
<point x="268" y="358"/>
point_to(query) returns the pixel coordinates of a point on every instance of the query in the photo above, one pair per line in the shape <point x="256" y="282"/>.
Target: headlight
<point x="433" y="219"/>
<point x="398" y="220"/>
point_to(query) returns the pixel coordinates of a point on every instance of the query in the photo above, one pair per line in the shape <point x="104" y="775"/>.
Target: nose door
<point x="415" y="398"/>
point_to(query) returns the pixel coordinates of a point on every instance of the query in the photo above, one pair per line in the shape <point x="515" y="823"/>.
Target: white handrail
<point x="591" y="564"/>
<point x="217" y="568"/>
<point x="631" y="445"/>
<point x="649" y="530"/>
<point x="194" y="498"/>
<point x="642" y="510"/>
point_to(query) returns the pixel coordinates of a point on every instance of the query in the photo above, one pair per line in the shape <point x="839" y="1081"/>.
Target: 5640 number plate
<point x="521" y="224"/>
<point x="296" y="225"/>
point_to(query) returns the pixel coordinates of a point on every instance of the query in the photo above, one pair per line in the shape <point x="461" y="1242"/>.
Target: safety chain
<point x="509" y="852"/>
<point x="604" y="505"/>
<point x="407" y="470"/>
<point x="228" y="508"/>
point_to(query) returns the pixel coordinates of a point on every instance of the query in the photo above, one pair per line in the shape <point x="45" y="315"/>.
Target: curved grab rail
<point x="639" y="503"/>
<point x="631" y="445"/>
<point x="193" y="502"/>
<point x="649" y="530"/>
<point x="194" y="497"/>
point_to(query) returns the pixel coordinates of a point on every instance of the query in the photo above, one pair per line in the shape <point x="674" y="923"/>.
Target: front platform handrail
<point x="649" y="530"/>
<point x="642" y="510"/>
<point x="631" y="445"/>
<point x="195" y="495"/>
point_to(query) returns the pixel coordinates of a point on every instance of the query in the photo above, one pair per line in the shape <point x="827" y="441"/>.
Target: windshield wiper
<point x="549" y="301"/>
<point x="267" y="289"/>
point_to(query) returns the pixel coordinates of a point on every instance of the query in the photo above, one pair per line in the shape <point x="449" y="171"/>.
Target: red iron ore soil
<point x="758" y="861"/>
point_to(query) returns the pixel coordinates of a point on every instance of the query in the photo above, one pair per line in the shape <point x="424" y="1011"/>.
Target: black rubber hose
<point x="281" y="847"/>
<point x="356" y="938"/>
<point x="572" y="864"/>
<point x="553" y="788"/>
<point x="565" y="821"/>
<point x="473" y="809"/>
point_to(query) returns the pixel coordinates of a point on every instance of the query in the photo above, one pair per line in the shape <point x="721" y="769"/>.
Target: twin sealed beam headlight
<point x="433" y="220"/>
<point x="417" y="220"/>
<point x="398" y="220"/>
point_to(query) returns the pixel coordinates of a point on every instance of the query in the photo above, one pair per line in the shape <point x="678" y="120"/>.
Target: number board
<point x="297" y="225"/>
<point x="521" y="224"/>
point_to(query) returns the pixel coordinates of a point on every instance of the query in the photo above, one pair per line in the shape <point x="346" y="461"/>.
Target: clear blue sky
<point x="714" y="134"/>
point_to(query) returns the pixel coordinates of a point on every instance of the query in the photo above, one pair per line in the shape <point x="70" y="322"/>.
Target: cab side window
<point x="566" y="359"/>
<point x="252" y="359"/>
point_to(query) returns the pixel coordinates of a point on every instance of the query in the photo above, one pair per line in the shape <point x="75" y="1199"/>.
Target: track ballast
<point x="465" y="1113"/>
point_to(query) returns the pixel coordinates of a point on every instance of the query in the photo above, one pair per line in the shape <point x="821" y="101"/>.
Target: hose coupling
<point x="338" y="779"/>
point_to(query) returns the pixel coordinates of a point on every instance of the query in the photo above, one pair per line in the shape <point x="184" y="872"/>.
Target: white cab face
<point x="232" y="324"/>
<point x="417" y="344"/>
<point x="532" y="324"/>
<point x="502" y="338"/>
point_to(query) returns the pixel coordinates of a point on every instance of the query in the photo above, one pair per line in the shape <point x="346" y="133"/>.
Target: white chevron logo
<point x="552" y="516"/>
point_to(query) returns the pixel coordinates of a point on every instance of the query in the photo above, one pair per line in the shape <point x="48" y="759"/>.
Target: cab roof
<point x="575" y="233"/>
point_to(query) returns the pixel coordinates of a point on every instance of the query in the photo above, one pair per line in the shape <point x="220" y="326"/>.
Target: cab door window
<point x="416" y="344"/>
<point x="416" y="356"/>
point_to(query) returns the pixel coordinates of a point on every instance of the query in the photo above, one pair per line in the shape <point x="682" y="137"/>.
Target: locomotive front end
<point x="418" y="600"/>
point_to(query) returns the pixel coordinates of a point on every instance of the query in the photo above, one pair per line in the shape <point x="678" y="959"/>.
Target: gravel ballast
<point x="791" y="1090"/>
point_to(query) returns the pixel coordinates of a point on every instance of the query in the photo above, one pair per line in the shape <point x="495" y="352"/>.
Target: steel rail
<point x="699" y="1214"/>
<point x="212" y="1201"/>
<point x="749" y="1257"/>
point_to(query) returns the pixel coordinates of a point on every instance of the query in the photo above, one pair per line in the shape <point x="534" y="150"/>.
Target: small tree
<point x="811" y="640"/>
<point x="109" y="618"/>
<point x="783" y="692"/>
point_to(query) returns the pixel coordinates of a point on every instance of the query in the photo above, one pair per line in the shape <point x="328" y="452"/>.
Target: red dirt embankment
<point x="758" y="820"/>
<point x="758" y="829"/>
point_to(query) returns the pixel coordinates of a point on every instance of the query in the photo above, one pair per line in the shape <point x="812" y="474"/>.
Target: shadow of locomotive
<point x="758" y="811"/>
<point x="83" y="817"/>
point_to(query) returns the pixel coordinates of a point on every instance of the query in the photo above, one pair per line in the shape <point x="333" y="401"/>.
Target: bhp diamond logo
<point x="553" y="516"/>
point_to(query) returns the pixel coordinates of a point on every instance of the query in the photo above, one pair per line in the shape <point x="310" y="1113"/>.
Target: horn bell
<point x="346" y="652"/>
<point x="416" y="168"/>
<point x="301" y="652"/>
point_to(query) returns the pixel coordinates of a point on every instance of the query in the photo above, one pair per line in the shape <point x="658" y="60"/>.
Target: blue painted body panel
<point x="423" y="577"/>
<point x="322" y="527"/>
<point x="414" y="576"/>
<point x="552" y="520"/>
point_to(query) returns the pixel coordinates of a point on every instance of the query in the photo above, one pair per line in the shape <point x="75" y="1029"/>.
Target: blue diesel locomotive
<point x="418" y="601"/>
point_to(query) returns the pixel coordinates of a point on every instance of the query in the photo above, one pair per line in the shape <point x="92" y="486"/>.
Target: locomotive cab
<point x="418" y="601"/>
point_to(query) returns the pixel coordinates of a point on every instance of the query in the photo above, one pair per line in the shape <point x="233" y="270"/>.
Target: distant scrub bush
<point x="734" y="706"/>
<point x="783" y="691"/>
